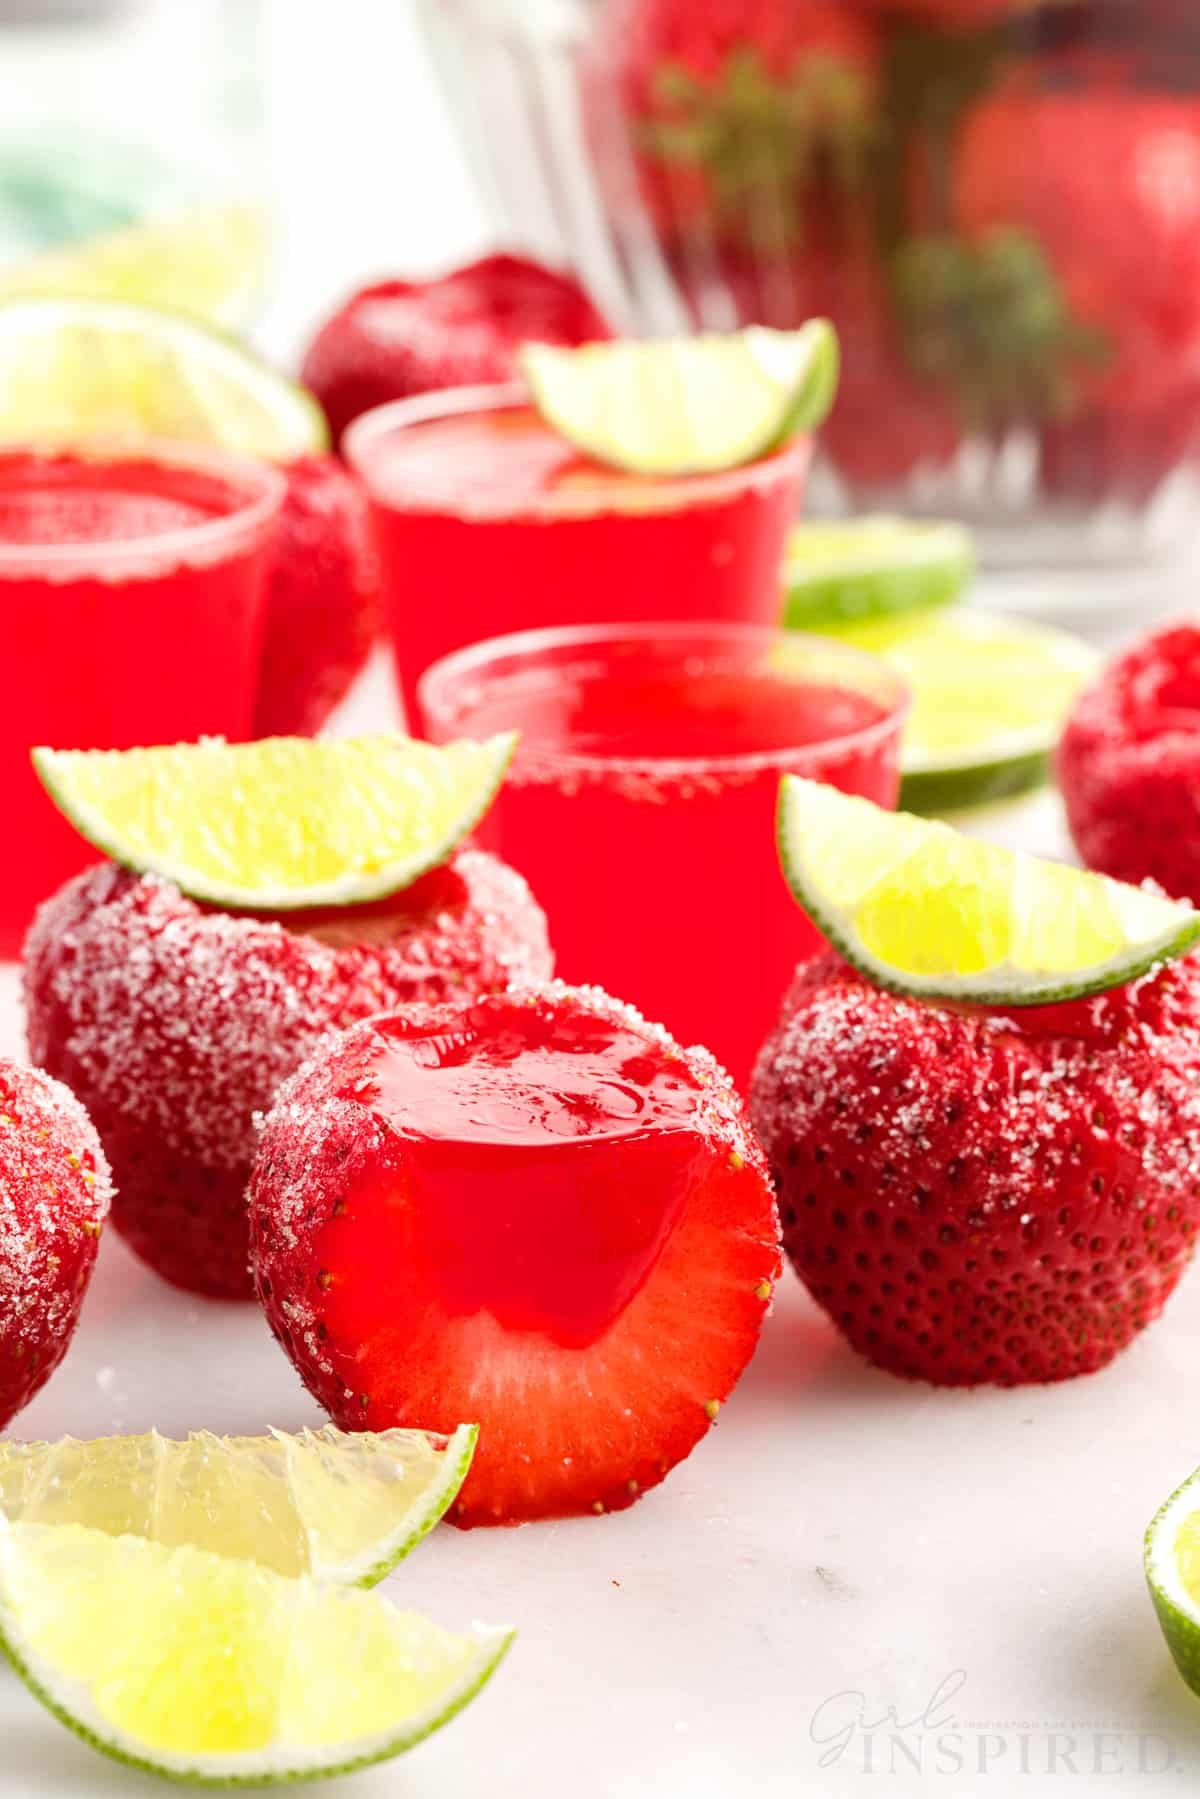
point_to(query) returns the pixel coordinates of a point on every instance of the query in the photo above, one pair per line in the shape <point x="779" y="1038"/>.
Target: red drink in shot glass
<point x="488" y="521"/>
<point x="132" y="590"/>
<point x="641" y="803"/>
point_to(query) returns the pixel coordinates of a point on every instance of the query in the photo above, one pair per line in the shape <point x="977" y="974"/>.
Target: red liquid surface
<point x="153" y="639"/>
<point x="660" y="878"/>
<point x="488" y="522"/>
<point x="545" y="1164"/>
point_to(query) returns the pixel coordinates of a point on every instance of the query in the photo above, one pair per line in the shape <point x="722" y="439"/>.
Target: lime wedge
<point x="205" y="1668"/>
<point x="1172" y="1562"/>
<point x="925" y="911"/>
<point x="990" y="698"/>
<point x="344" y="1508"/>
<point x="209" y="261"/>
<point x="72" y="369"/>
<point x="872" y="568"/>
<point x="282" y="823"/>
<point x="688" y="405"/>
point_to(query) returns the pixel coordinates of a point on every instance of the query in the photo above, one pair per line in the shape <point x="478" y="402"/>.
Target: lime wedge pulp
<point x="343" y="1507"/>
<point x="283" y="823"/>
<point x="209" y="261"/>
<point x="1172" y="1563"/>
<point x="213" y="1670"/>
<point x="925" y="911"/>
<point x="688" y="405"/>
<point x="80" y="368"/>
<point x="990" y="698"/>
<point x="837" y="573"/>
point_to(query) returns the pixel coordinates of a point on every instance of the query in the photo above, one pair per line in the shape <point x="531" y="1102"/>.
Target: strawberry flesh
<point x="535" y="1212"/>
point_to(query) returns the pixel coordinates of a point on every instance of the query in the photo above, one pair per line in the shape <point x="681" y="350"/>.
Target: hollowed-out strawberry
<point x="534" y="1211"/>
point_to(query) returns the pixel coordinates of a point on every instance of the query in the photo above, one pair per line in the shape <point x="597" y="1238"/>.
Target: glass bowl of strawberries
<point x="996" y="201"/>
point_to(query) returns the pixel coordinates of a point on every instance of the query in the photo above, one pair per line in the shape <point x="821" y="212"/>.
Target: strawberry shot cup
<point x="132" y="584"/>
<point x="641" y="801"/>
<point x="488" y="521"/>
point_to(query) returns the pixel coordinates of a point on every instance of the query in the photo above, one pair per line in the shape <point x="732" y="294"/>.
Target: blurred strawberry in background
<point x="322" y="603"/>
<point x="742" y="111"/>
<point x="997" y="201"/>
<point x="398" y="338"/>
<point x="752" y="127"/>
<point x="1107" y="183"/>
<point x="888" y="421"/>
<point x="957" y="14"/>
<point x="1101" y="182"/>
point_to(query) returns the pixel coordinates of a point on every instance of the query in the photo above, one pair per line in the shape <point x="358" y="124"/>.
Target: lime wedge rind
<point x="1178" y="1611"/>
<point x="78" y="781"/>
<point x="69" y="1694"/>
<point x="1069" y="659"/>
<point x="934" y="791"/>
<point x="814" y="394"/>
<point x="686" y="406"/>
<point x="1000" y="982"/>
<point x="415" y="1526"/>
<point x="230" y="1772"/>
<point x="73" y="369"/>
<point x="880" y="567"/>
<point x="990" y="698"/>
<point x="345" y="1508"/>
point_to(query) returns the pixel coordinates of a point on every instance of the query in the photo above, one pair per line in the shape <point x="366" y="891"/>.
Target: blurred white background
<point x="367" y="173"/>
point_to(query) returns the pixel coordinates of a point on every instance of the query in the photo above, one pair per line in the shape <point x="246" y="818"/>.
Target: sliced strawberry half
<point x="536" y="1212"/>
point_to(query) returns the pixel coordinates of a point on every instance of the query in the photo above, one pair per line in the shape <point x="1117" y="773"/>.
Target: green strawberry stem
<point x="990" y="322"/>
<point x="759" y="140"/>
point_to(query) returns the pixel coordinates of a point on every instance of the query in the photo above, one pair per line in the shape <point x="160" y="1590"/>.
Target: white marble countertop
<point x="843" y="1548"/>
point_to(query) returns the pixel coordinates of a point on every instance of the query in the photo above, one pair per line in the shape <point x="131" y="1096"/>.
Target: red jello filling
<point x="545" y="1164"/>
<point x="533" y="1212"/>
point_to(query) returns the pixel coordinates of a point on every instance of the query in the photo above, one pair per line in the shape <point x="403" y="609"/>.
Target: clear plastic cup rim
<point x="262" y="485"/>
<point x="581" y="499"/>
<point x="465" y="672"/>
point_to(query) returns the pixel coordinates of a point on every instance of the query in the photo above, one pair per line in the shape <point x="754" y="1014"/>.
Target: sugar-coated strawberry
<point x="398" y="338"/>
<point x="743" y="116"/>
<point x="1129" y="764"/>
<point x="975" y="1196"/>
<point x="176" y="1024"/>
<point x="54" y="1197"/>
<point x="322" y="599"/>
<point x="534" y="1211"/>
